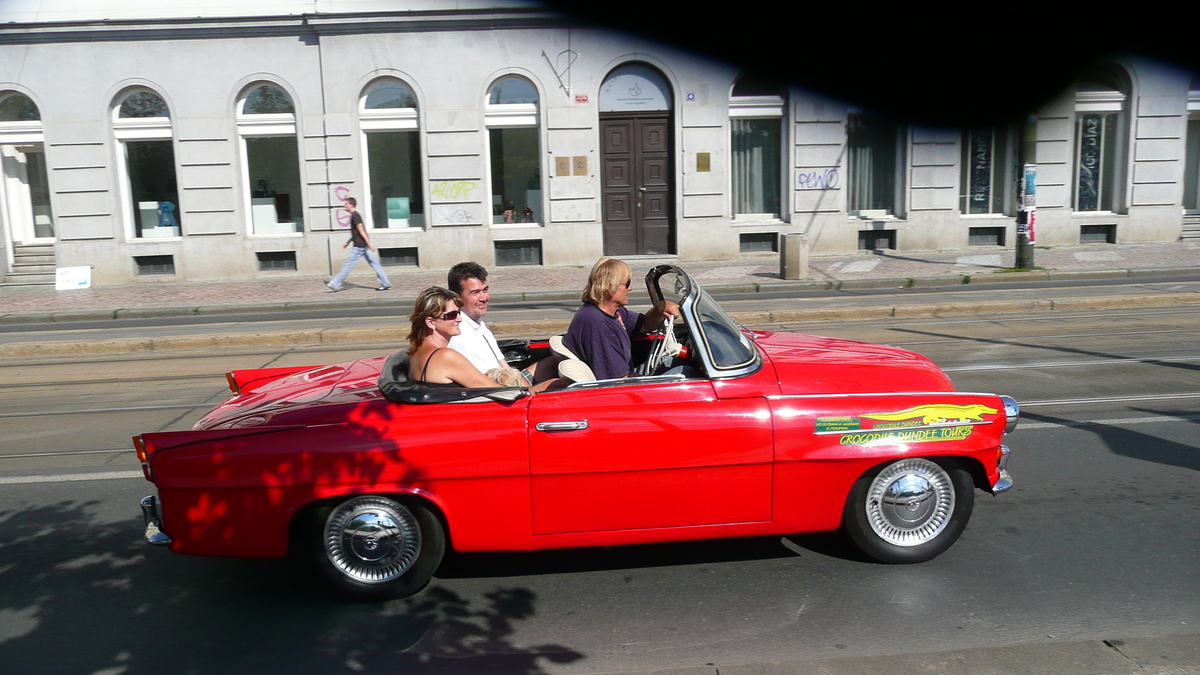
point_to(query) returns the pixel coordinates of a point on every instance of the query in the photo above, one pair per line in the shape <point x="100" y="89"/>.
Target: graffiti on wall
<point x="818" y="179"/>
<point x="452" y="189"/>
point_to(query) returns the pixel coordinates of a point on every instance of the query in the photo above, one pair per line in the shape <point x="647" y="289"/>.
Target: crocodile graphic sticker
<point x="919" y="424"/>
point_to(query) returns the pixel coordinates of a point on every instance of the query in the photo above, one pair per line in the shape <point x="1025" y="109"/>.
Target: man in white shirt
<point x="476" y="342"/>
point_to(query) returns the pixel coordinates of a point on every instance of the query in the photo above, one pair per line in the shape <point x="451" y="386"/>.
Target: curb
<point x="404" y="303"/>
<point x="545" y="327"/>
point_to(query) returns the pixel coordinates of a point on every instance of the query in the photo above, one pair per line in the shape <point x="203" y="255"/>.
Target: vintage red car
<point x="370" y="477"/>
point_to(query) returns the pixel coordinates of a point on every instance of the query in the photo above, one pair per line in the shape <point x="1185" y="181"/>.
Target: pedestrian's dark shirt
<point x="355" y="233"/>
<point x="601" y="341"/>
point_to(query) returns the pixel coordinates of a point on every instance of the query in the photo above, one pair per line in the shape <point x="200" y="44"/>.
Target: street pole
<point x="1026" y="194"/>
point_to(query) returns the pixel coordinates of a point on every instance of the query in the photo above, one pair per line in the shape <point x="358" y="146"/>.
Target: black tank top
<point x="425" y="370"/>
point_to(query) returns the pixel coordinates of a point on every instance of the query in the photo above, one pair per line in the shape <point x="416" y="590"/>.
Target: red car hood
<point x="809" y="364"/>
<point x="334" y="384"/>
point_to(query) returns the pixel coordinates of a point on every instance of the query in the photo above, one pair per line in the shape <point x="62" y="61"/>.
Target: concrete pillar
<point x="793" y="256"/>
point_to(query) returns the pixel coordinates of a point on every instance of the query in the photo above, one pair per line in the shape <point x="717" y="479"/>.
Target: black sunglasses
<point x="448" y="316"/>
<point x="628" y="283"/>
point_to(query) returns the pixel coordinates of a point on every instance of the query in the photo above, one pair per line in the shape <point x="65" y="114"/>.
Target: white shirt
<point x="478" y="344"/>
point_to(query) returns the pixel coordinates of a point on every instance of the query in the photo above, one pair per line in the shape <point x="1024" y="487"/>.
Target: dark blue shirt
<point x="603" y="341"/>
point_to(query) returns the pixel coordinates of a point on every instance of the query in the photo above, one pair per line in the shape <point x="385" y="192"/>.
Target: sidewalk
<point x="748" y="273"/>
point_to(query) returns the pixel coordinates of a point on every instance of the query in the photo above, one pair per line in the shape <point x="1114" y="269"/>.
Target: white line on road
<point x="88" y="411"/>
<point x="69" y="477"/>
<point x="1110" y="399"/>
<point x="1070" y="364"/>
<point x="1110" y="422"/>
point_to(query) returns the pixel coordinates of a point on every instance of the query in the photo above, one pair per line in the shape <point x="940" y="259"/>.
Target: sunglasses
<point x="628" y="283"/>
<point x="448" y="316"/>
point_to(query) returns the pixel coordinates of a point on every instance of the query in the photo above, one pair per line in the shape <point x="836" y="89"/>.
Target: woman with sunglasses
<point x="602" y="329"/>
<point x="435" y="320"/>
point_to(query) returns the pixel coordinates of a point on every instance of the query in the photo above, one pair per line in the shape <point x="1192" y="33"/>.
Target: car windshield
<point x="727" y="345"/>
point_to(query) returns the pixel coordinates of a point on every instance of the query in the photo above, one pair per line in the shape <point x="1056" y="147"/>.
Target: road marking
<point x="1109" y="422"/>
<point x="1110" y="399"/>
<point x="1070" y="364"/>
<point x="68" y="453"/>
<point x="1020" y="341"/>
<point x="89" y="411"/>
<point x="70" y="477"/>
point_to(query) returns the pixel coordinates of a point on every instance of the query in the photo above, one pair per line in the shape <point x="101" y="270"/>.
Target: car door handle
<point x="577" y="425"/>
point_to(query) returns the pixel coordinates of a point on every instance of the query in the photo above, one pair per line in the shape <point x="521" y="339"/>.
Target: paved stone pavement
<point x="757" y="270"/>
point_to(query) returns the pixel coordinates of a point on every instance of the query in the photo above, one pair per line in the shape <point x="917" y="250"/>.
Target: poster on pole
<point x="1029" y="203"/>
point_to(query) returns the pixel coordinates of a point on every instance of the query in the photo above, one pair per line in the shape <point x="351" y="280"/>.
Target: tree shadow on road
<point x="80" y="596"/>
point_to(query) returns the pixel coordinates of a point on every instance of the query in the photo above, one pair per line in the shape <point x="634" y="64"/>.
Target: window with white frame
<point x="266" y="122"/>
<point x="1099" y="144"/>
<point x="874" y="164"/>
<point x="511" y="116"/>
<point x="1191" y="170"/>
<point x="26" y="189"/>
<point x="392" y="147"/>
<point x="984" y="170"/>
<point x="756" y="114"/>
<point x="146" y="164"/>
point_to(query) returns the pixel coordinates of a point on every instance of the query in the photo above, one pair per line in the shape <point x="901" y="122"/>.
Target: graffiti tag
<point x="452" y="189"/>
<point x="817" y="180"/>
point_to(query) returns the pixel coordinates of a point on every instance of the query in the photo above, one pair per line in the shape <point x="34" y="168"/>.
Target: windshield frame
<point x="692" y="296"/>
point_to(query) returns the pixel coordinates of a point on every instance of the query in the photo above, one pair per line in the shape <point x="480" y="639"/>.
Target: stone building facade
<point x="216" y="144"/>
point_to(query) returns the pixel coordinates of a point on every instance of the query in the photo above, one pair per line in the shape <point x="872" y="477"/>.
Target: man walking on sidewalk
<point x="362" y="248"/>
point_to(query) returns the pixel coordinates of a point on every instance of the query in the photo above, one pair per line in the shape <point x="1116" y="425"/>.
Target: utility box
<point x="793" y="256"/>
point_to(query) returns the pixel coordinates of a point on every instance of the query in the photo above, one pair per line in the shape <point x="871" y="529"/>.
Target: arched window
<point x="756" y="115"/>
<point x="1191" y="171"/>
<point x="26" y="186"/>
<point x="271" y="159"/>
<point x="387" y="114"/>
<point x="146" y="164"/>
<point x="514" y="143"/>
<point x="1100" y="104"/>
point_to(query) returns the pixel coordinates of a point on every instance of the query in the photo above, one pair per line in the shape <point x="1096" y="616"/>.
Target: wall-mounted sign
<point x="703" y="161"/>
<point x="581" y="98"/>
<point x="562" y="166"/>
<point x="580" y="165"/>
<point x="691" y="96"/>
<point x="634" y="86"/>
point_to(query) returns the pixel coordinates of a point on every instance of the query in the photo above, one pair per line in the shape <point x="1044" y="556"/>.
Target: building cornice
<point x="207" y="28"/>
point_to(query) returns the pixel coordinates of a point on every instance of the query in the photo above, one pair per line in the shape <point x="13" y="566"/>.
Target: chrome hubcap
<point x="372" y="540"/>
<point x="910" y="502"/>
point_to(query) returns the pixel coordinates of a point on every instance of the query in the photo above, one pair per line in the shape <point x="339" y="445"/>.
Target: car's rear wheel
<point x="908" y="511"/>
<point x="375" y="547"/>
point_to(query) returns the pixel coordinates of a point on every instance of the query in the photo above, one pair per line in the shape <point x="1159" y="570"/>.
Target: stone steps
<point x="33" y="265"/>
<point x="1191" y="228"/>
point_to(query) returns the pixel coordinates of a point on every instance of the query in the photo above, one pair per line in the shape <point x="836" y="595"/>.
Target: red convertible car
<point x="731" y="433"/>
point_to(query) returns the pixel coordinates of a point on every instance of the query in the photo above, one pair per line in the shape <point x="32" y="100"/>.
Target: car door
<point x="648" y="453"/>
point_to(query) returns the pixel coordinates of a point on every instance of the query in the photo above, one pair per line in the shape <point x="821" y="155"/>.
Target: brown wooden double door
<point x="636" y="154"/>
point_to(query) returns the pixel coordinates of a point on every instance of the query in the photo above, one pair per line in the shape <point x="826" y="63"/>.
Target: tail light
<point x="139" y="447"/>
<point x="233" y="385"/>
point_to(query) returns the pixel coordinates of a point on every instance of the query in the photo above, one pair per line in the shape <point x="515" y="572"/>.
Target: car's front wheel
<point x="375" y="547"/>
<point x="908" y="511"/>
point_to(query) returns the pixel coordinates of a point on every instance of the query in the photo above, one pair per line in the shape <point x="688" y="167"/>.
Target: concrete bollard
<point x="793" y="256"/>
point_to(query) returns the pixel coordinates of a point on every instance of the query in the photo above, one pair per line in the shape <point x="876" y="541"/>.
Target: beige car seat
<point x="571" y="367"/>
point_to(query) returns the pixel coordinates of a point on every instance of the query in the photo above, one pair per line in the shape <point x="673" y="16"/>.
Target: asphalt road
<point x="1088" y="565"/>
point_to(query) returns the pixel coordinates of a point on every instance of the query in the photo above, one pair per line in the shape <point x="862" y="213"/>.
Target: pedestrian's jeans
<point x="357" y="252"/>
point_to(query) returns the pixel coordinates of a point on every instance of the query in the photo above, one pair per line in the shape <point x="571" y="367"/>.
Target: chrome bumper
<point x="154" y="533"/>
<point x="1005" y="480"/>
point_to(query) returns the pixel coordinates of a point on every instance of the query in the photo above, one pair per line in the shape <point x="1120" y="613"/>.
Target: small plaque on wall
<point x="562" y="166"/>
<point x="703" y="161"/>
<point x="580" y="164"/>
